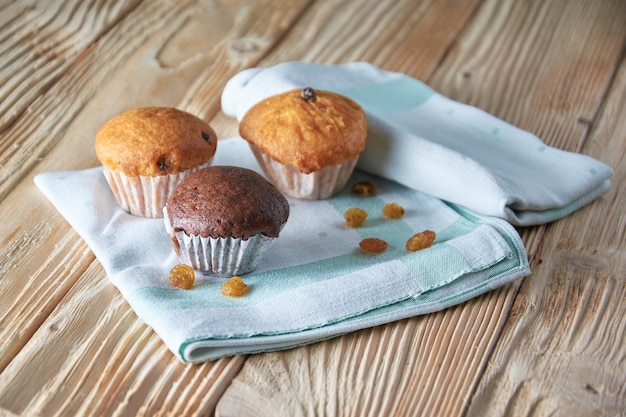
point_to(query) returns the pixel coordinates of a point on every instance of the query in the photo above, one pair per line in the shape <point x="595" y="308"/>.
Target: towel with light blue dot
<point x="441" y="147"/>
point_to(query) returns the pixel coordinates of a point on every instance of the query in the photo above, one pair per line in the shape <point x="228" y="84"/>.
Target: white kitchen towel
<point x="430" y="143"/>
<point x="314" y="283"/>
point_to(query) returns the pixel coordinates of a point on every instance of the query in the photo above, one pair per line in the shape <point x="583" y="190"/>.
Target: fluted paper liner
<point x="218" y="256"/>
<point x="317" y="185"/>
<point x="145" y="196"/>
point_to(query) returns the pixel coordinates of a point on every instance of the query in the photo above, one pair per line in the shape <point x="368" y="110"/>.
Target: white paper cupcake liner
<point x="222" y="256"/>
<point x="317" y="185"/>
<point x="145" y="196"/>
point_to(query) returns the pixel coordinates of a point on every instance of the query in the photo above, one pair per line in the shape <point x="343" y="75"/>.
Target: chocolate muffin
<point x="307" y="141"/>
<point x="222" y="219"/>
<point x="147" y="151"/>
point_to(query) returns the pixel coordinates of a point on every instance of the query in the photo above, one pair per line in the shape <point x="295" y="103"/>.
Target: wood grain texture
<point x="387" y="370"/>
<point x="105" y="362"/>
<point x="43" y="43"/>
<point x="542" y="66"/>
<point x="578" y="283"/>
<point x="397" y="36"/>
<point x="551" y="344"/>
<point x="256" y="30"/>
<point x="41" y="259"/>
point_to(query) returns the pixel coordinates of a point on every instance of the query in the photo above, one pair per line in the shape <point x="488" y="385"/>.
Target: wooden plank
<point x="38" y="46"/>
<point x="96" y="358"/>
<point x="338" y="32"/>
<point x="503" y="61"/>
<point x="41" y="44"/>
<point x="31" y="290"/>
<point x="152" y="56"/>
<point x="576" y="292"/>
<point x="387" y="370"/>
<point x="542" y="66"/>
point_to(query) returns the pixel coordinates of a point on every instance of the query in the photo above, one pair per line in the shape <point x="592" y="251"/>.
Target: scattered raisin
<point x="355" y="216"/>
<point x="308" y="94"/>
<point x="182" y="276"/>
<point x="234" y="287"/>
<point x="393" y="211"/>
<point x="421" y="240"/>
<point x="373" y="244"/>
<point x="364" y="188"/>
<point x="206" y="137"/>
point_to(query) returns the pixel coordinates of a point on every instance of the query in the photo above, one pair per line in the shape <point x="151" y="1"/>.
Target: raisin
<point x="364" y="188"/>
<point x="182" y="276"/>
<point x="373" y="244"/>
<point x="308" y="94"/>
<point x="234" y="287"/>
<point x="421" y="240"/>
<point x="393" y="211"/>
<point x="206" y="137"/>
<point x="355" y="216"/>
<point x="163" y="163"/>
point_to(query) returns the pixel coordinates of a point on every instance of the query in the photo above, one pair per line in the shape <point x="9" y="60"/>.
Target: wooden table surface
<point x="553" y="343"/>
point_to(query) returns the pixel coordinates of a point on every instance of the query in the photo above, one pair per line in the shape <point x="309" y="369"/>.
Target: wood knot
<point x="244" y="46"/>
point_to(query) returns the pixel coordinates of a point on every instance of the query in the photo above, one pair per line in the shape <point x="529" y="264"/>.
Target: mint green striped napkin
<point x="314" y="283"/>
<point x="430" y="143"/>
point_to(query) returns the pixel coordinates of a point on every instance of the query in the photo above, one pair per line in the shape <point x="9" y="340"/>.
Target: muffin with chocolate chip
<point x="307" y="141"/>
<point x="147" y="151"/>
<point x="222" y="219"/>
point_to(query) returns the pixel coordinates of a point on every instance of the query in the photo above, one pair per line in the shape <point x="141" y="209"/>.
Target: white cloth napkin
<point x="430" y="143"/>
<point x="314" y="283"/>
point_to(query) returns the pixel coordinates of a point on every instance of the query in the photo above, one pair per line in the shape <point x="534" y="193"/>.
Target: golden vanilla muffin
<point x="307" y="141"/>
<point x="147" y="151"/>
<point x="222" y="219"/>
